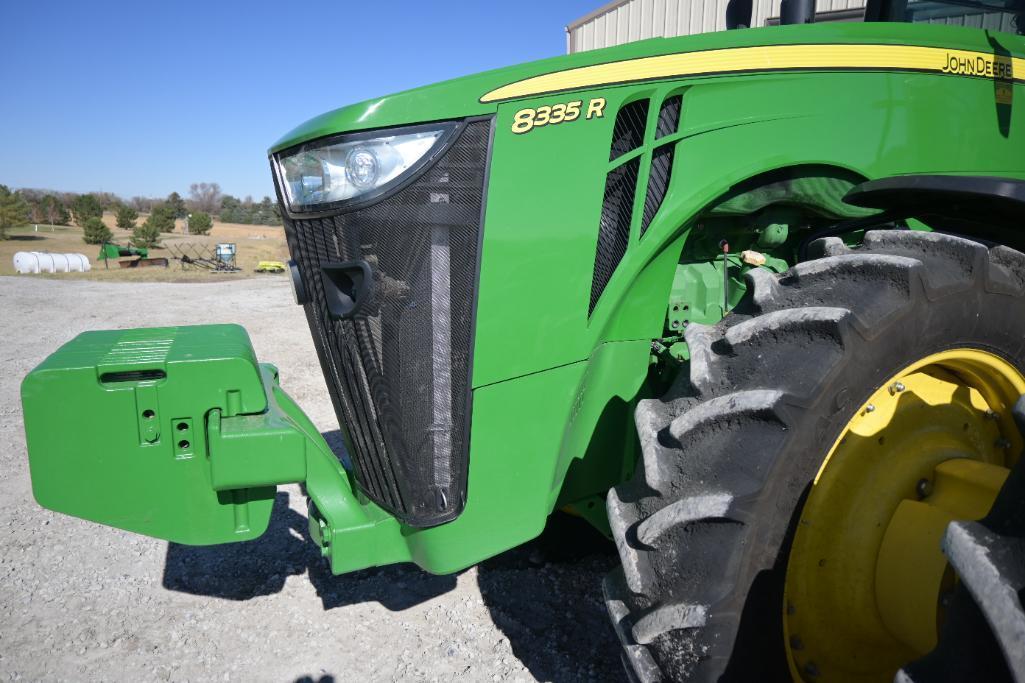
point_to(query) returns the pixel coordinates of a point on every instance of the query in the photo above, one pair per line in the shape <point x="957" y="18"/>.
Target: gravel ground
<point x="79" y="601"/>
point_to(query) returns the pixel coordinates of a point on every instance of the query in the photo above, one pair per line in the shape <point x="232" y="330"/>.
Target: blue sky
<point x="142" y="98"/>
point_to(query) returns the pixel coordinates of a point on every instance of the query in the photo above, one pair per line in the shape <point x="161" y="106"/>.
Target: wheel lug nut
<point x="896" y="388"/>
<point x="870" y="408"/>
<point x="811" y="669"/>
<point x="992" y="415"/>
<point x="1002" y="443"/>
<point x="795" y="643"/>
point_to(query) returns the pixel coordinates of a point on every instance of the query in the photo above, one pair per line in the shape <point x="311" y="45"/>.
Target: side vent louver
<point x="669" y="116"/>
<point x="658" y="182"/>
<point x="614" y="229"/>
<point x="628" y="133"/>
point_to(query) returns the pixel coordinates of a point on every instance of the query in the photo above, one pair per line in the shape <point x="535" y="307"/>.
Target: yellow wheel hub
<point x="866" y="578"/>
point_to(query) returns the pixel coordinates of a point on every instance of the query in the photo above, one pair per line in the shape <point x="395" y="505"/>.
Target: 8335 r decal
<point x="526" y="120"/>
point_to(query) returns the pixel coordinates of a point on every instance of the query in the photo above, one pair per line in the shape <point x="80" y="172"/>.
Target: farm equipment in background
<point x="129" y="257"/>
<point x="218" y="258"/>
<point x="270" y="267"/>
<point x="752" y="303"/>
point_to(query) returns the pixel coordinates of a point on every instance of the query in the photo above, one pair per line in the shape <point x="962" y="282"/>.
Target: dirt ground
<point x="254" y="243"/>
<point x="83" y="602"/>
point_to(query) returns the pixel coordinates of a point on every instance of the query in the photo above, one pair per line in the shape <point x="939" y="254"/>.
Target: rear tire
<point x="704" y="527"/>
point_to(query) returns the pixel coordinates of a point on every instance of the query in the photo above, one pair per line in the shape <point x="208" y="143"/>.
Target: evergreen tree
<point x="84" y="207"/>
<point x="177" y="206"/>
<point x="161" y="218"/>
<point x="126" y="217"/>
<point x="145" y="235"/>
<point x="246" y="210"/>
<point x="200" y="223"/>
<point x="13" y="210"/>
<point x="230" y="209"/>
<point x="266" y="212"/>
<point x="95" y="232"/>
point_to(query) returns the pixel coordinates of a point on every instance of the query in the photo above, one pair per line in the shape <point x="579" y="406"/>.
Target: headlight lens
<point x="353" y="166"/>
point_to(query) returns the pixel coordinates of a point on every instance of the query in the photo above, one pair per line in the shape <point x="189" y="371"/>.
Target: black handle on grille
<point x="346" y="286"/>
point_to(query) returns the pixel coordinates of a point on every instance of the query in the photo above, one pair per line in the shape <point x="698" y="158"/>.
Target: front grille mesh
<point x="399" y="369"/>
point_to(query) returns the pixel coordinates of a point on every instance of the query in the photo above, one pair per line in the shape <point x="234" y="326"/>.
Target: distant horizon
<point x="145" y="99"/>
<point x="156" y="197"/>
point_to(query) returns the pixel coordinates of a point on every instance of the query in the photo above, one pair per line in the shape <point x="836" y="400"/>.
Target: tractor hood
<point x="480" y="94"/>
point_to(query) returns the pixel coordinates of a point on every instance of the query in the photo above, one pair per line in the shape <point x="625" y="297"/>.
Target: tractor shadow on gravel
<point x="241" y="571"/>
<point x="546" y="598"/>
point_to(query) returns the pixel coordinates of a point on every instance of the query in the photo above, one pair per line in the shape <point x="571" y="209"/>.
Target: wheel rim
<point x="866" y="578"/>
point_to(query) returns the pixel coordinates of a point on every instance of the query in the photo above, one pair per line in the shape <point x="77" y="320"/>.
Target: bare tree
<point x="205" y="197"/>
<point x="144" y="204"/>
<point x="108" y="200"/>
<point x="51" y="205"/>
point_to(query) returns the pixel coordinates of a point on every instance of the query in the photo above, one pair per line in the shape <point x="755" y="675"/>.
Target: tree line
<point x="29" y="205"/>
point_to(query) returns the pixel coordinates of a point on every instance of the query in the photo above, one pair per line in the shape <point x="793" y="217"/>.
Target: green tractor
<point x="752" y="303"/>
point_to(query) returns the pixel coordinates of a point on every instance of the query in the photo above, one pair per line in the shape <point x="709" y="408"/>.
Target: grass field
<point x="255" y="243"/>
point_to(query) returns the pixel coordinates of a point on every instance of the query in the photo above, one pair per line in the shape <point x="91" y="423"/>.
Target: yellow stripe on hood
<point x="770" y="58"/>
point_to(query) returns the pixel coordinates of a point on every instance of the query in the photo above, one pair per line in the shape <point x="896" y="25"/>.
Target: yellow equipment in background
<point x="270" y="267"/>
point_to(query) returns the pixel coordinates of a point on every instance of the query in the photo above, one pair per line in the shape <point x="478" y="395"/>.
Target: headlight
<point x="355" y="166"/>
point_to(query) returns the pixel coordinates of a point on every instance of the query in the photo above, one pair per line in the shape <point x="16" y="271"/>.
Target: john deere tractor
<point x="750" y="302"/>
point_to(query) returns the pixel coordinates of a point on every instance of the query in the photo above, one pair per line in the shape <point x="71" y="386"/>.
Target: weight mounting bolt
<point x="923" y="488"/>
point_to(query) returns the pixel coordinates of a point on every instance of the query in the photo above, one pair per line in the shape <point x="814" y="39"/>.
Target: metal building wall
<point x="624" y="21"/>
<point x="993" y="21"/>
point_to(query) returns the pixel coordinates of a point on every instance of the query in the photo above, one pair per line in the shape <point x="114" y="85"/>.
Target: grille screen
<point x="658" y="183"/>
<point x="614" y="226"/>
<point x="399" y="369"/>
<point x="668" y="116"/>
<point x="628" y="131"/>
